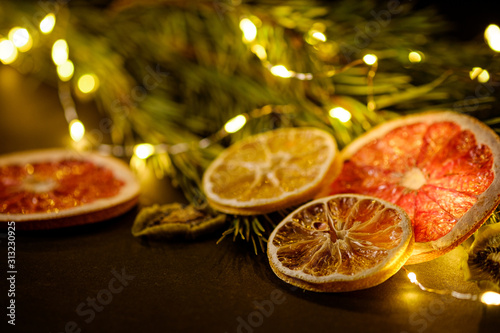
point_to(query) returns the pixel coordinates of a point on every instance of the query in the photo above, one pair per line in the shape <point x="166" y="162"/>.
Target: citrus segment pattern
<point x="53" y="186"/>
<point x="434" y="171"/>
<point x="272" y="169"/>
<point x="344" y="237"/>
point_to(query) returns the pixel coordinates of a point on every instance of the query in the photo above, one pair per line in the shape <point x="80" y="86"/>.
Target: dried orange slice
<point x="443" y="168"/>
<point x="271" y="171"/>
<point x="56" y="188"/>
<point x="341" y="243"/>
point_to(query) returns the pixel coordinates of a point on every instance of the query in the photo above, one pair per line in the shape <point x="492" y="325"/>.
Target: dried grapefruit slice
<point x="443" y="168"/>
<point x="341" y="243"/>
<point x="55" y="188"/>
<point x="271" y="171"/>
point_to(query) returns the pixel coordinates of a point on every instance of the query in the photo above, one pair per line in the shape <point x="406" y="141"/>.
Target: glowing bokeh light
<point x="144" y="150"/>
<point x="249" y="30"/>
<point x="235" y="124"/>
<point x="475" y="72"/>
<point x="60" y="52"/>
<point x="8" y="51"/>
<point x="492" y="36"/>
<point x="48" y="23"/>
<point x="76" y="130"/>
<point x="281" y="71"/>
<point x="413" y="277"/>
<point x="490" y="298"/>
<point x="259" y="51"/>
<point x="88" y="83"/>
<point x="340" y="113"/>
<point x="484" y="76"/>
<point x="415" y="56"/>
<point x="66" y="70"/>
<point x="370" y="59"/>
<point x="21" y="38"/>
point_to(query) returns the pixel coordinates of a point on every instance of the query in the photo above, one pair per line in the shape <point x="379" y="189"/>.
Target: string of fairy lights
<point x="488" y="297"/>
<point x="19" y="40"/>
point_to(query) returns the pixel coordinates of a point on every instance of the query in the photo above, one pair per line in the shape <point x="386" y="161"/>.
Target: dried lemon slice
<point x="341" y="243"/>
<point x="271" y="171"/>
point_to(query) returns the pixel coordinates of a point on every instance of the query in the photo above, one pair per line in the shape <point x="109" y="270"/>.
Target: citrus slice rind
<point x="271" y="170"/>
<point x="439" y="166"/>
<point x="341" y="243"/>
<point x="123" y="199"/>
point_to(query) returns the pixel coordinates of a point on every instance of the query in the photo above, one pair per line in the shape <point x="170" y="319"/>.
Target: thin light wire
<point x="455" y="294"/>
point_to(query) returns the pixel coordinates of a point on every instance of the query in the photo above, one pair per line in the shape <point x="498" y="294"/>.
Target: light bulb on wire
<point x="8" y="51"/>
<point x="48" y="23"/>
<point x="488" y="298"/>
<point x="21" y="39"/>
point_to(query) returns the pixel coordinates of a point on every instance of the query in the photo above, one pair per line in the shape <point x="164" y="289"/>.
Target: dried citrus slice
<point x="174" y="220"/>
<point x="55" y="188"/>
<point x="443" y="168"/>
<point x="271" y="171"/>
<point x="341" y="243"/>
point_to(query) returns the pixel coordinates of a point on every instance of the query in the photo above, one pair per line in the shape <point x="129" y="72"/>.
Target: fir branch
<point x="205" y="75"/>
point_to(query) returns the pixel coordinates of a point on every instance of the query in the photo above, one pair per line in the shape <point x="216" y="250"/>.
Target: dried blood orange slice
<point x="56" y="188"/>
<point x="341" y="243"/>
<point x="271" y="171"/>
<point x="443" y="168"/>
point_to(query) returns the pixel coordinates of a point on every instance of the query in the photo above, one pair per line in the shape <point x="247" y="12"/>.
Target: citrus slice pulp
<point x="341" y="243"/>
<point x="54" y="188"/>
<point x="443" y="168"/>
<point x="271" y="171"/>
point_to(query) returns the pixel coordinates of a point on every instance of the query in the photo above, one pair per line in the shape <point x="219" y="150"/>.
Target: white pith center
<point x="413" y="179"/>
<point x="39" y="186"/>
<point x="341" y="234"/>
<point x="268" y="169"/>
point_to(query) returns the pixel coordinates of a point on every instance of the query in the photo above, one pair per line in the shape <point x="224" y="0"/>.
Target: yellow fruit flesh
<point x="272" y="170"/>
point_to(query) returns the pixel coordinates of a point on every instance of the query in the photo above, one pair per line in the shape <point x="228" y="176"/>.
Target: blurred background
<point x="164" y="78"/>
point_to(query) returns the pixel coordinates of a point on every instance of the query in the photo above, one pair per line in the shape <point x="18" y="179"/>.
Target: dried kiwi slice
<point x="484" y="257"/>
<point x="174" y="220"/>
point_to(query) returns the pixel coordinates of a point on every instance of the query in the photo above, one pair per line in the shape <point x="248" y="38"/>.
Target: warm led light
<point x="88" y="83"/>
<point x="281" y="71"/>
<point x="48" y="23"/>
<point x="413" y="277"/>
<point x="475" y="72"/>
<point x="370" y="59"/>
<point x="8" y="51"/>
<point x="60" y="52"/>
<point x="415" y="56"/>
<point x="490" y="298"/>
<point x="235" y="124"/>
<point x="144" y="150"/>
<point x="340" y="113"/>
<point x="76" y="130"/>
<point x="249" y="30"/>
<point x="484" y="76"/>
<point x="65" y="71"/>
<point x="319" y="36"/>
<point x="492" y="36"/>
<point x="21" y="38"/>
<point x="371" y="105"/>
<point x="259" y="51"/>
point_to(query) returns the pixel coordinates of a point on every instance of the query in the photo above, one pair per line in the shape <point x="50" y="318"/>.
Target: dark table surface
<point x="99" y="278"/>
